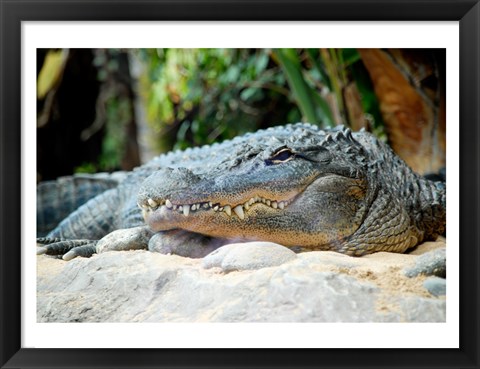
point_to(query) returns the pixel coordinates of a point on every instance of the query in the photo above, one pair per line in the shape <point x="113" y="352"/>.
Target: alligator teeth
<point x="152" y="203"/>
<point x="227" y="209"/>
<point x="239" y="211"/>
<point x="186" y="209"/>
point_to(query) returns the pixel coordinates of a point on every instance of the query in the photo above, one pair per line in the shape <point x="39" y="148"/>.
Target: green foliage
<point x="86" y="167"/>
<point x="310" y="103"/>
<point x="209" y="94"/>
<point x="197" y="96"/>
<point x="117" y="116"/>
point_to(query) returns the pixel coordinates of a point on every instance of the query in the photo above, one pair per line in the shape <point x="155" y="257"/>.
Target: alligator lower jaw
<point x="170" y="210"/>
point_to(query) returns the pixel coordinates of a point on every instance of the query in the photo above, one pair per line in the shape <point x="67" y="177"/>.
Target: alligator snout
<point x="166" y="182"/>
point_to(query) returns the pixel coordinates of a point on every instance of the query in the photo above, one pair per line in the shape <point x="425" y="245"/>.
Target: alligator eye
<point x="282" y="156"/>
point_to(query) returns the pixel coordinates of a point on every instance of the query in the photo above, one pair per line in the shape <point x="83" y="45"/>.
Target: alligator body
<point x="57" y="199"/>
<point x="295" y="185"/>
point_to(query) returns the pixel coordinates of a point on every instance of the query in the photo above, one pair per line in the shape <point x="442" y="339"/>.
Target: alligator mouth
<point x="150" y="205"/>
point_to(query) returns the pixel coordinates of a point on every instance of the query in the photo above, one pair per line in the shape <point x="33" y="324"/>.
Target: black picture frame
<point x="12" y="355"/>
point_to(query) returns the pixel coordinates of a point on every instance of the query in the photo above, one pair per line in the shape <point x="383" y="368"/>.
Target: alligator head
<point x="309" y="188"/>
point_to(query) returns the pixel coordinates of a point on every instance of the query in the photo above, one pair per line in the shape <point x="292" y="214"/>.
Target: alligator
<point x="296" y="185"/>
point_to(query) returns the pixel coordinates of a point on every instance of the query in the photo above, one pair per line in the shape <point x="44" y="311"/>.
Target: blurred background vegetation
<point x="112" y="109"/>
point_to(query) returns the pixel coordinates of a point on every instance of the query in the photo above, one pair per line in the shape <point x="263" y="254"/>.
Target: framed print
<point x="74" y="313"/>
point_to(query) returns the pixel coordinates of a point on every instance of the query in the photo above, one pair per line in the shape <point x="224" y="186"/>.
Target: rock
<point x="248" y="256"/>
<point x="431" y="263"/>
<point x="423" y="310"/>
<point x="141" y="286"/>
<point x="436" y="286"/>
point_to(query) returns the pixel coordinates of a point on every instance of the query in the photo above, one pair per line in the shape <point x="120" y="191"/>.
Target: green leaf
<point x="350" y="56"/>
<point x="323" y="76"/>
<point x="232" y="74"/>
<point x="261" y="62"/>
<point x="312" y="105"/>
<point x="182" y="132"/>
<point x="85" y="168"/>
<point x="323" y="110"/>
<point x="290" y="64"/>
<point x="248" y="93"/>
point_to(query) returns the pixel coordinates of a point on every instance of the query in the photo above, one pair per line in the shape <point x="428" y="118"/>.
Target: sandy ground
<point x="383" y="269"/>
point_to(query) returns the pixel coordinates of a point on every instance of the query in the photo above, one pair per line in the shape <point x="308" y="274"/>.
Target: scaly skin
<point x="294" y="185"/>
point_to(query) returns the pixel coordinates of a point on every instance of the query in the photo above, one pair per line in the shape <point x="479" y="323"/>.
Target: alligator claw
<point x="85" y="251"/>
<point x="62" y="247"/>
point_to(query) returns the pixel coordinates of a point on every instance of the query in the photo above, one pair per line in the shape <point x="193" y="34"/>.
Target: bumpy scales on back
<point x="295" y="185"/>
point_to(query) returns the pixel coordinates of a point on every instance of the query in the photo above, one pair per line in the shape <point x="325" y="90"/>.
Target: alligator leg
<point x="125" y="239"/>
<point x="85" y="251"/>
<point x="122" y="239"/>
<point x="68" y="248"/>
<point x="178" y="242"/>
